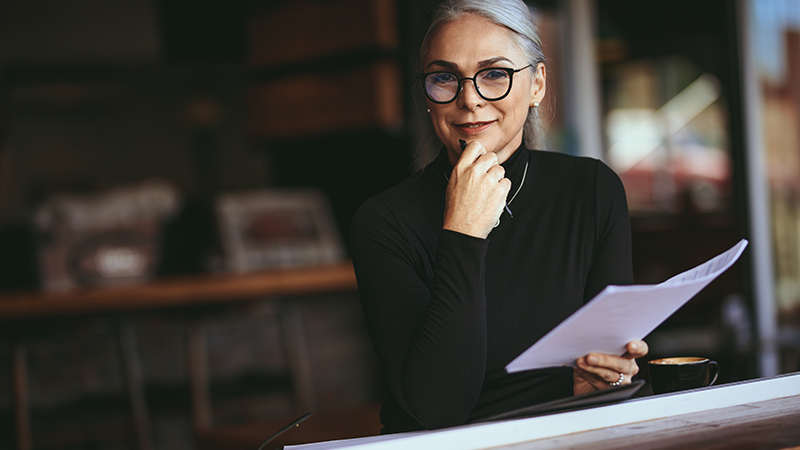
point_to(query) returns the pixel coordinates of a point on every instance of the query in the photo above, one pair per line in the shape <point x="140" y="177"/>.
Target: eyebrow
<point x="481" y="64"/>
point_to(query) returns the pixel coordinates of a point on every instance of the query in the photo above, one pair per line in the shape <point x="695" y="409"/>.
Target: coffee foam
<point x="678" y="361"/>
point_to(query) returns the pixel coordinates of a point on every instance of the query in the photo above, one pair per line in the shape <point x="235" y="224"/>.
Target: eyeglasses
<point x="491" y="84"/>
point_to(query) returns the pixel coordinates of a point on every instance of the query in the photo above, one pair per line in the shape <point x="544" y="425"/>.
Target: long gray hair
<point x="511" y="14"/>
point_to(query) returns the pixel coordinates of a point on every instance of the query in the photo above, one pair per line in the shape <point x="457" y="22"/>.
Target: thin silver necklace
<point x="524" y="175"/>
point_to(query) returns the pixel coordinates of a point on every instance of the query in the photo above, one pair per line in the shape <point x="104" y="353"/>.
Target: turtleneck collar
<point x="514" y="165"/>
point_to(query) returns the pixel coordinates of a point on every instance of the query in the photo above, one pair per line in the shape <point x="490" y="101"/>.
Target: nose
<point x="469" y="98"/>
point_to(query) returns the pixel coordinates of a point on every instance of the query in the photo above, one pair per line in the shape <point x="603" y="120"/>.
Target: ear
<point x="539" y="84"/>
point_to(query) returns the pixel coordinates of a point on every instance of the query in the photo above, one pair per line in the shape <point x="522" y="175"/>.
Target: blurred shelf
<point x="181" y="291"/>
<point x="308" y="30"/>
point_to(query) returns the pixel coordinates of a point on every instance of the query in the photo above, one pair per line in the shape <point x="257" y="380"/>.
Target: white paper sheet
<point x="620" y="314"/>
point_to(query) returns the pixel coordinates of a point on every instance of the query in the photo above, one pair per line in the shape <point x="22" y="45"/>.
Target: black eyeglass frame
<point x="461" y="80"/>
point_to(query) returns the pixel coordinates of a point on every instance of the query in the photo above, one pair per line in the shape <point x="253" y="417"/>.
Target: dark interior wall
<point x="79" y="31"/>
<point x="91" y="103"/>
<point x="102" y="94"/>
<point x="89" y="129"/>
<point x="193" y="30"/>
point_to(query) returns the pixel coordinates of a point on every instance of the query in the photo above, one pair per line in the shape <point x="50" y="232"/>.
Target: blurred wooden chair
<point x="352" y="422"/>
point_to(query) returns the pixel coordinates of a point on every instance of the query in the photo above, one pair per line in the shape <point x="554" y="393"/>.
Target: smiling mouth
<point x="473" y="127"/>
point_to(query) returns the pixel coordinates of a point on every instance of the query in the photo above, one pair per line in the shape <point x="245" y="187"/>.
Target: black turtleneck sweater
<point x="446" y="311"/>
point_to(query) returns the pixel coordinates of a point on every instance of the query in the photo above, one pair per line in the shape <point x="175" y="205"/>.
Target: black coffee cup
<point x="678" y="374"/>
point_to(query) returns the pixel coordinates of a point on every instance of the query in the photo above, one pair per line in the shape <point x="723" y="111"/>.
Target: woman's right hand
<point x="476" y="192"/>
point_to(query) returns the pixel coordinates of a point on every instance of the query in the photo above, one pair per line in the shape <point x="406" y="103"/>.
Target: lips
<point x="471" y="128"/>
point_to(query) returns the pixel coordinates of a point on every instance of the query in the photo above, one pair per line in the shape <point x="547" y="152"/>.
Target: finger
<point x="596" y="381"/>
<point x="497" y="172"/>
<point x="479" y="167"/>
<point x="486" y="161"/>
<point x="636" y="349"/>
<point x="506" y="184"/>
<point x="604" y="361"/>
<point x="608" y="367"/>
<point x="601" y="382"/>
<point x="604" y="374"/>
<point x="471" y="153"/>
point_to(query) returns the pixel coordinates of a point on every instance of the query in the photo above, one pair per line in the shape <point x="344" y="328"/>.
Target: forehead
<point x="471" y="39"/>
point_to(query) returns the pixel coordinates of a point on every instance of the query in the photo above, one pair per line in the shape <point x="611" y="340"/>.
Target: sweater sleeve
<point x="612" y="255"/>
<point x="430" y="338"/>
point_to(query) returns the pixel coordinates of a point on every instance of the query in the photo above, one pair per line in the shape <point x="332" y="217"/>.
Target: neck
<point x="505" y="153"/>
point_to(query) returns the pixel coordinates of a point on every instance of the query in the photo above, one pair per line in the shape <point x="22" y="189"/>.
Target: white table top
<point x="511" y="433"/>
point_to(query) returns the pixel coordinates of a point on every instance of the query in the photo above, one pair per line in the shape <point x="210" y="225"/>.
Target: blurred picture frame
<point x="277" y="229"/>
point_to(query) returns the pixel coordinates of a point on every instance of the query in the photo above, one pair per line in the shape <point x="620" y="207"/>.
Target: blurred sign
<point x="106" y="239"/>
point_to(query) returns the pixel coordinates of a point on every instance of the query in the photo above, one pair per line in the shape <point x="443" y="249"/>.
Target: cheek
<point x="520" y="102"/>
<point x="518" y="111"/>
<point x="438" y="121"/>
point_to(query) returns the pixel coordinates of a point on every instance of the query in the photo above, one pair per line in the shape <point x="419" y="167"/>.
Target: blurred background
<point x="177" y="180"/>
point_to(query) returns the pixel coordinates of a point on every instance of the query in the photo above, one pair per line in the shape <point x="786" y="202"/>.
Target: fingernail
<point x="591" y="359"/>
<point x="634" y="346"/>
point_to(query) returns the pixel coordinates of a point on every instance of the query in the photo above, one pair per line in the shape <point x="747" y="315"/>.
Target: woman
<point x="453" y="287"/>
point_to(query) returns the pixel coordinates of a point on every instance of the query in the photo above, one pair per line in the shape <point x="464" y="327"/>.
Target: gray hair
<point x="511" y="14"/>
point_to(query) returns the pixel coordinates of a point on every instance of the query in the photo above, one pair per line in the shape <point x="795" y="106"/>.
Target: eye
<point x="442" y="78"/>
<point x="494" y="75"/>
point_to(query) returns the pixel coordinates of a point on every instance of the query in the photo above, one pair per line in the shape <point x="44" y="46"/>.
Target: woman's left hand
<point x="599" y="370"/>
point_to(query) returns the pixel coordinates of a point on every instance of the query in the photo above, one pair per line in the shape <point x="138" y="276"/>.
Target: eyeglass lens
<point x="491" y="84"/>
